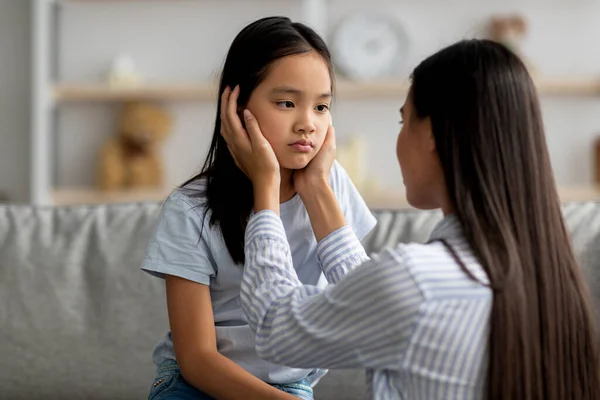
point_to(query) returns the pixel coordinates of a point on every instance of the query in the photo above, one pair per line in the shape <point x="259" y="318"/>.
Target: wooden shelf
<point x="568" y="86"/>
<point x="346" y="90"/>
<point x="99" y="92"/>
<point x="81" y="196"/>
<point x="203" y="92"/>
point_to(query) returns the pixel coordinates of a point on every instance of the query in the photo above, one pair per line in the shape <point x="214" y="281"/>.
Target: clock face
<point x="369" y="47"/>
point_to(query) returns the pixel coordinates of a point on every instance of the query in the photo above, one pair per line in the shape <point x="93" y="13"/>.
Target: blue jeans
<point x="170" y="385"/>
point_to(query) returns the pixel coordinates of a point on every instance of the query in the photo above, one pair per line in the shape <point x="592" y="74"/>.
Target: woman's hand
<point x="251" y="151"/>
<point x="312" y="184"/>
<point x="318" y="169"/>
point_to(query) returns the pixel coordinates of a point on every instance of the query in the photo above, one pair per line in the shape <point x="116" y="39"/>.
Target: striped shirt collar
<point x="448" y="228"/>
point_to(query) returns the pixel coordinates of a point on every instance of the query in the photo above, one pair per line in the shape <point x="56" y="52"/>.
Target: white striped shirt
<point x="410" y="316"/>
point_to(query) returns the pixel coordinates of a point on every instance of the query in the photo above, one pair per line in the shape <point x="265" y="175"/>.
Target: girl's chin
<point x="298" y="162"/>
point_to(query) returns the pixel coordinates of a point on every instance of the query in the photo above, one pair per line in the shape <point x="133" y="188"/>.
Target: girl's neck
<point x="286" y="190"/>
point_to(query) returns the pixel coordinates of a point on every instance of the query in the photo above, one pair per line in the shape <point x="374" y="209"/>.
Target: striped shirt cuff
<point x="265" y="223"/>
<point x="339" y="253"/>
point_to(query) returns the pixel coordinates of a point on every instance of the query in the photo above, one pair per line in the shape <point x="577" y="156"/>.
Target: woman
<point x="492" y="307"/>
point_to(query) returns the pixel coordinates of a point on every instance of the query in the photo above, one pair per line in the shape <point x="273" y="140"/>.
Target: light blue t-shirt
<point x="185" y="245"/>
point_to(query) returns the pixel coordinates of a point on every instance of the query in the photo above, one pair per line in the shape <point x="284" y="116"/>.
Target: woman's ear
<point x="430" y="138"/>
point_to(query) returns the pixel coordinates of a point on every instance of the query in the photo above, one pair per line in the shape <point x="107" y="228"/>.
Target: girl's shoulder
<point x="193" y="192"/>
<point x="338" y="177"/>
<point x="188" y="203"/>
<point x="181" y="242"/>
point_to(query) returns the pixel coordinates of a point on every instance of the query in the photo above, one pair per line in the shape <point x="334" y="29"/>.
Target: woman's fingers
<point x="330" y="137"/>
<point x="226" y="130"/>
<point x="231" y="127"/>
<point x="321" y="164"/>
<point x="329" y="145"/>
<point x="244" y="144"/>
<point x="224" y="102"/>
<point x="252" y="128"/>
<point x="233" y="118"/>
<point x="249" y="149"/>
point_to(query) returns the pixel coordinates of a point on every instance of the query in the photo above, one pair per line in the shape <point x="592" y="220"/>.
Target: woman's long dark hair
<point x="227" y="191"/>
<point x="488" y="130"/>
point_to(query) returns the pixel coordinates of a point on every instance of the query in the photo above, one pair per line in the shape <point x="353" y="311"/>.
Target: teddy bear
<point x="130" y="159"/>
<point x="508" y="30"/>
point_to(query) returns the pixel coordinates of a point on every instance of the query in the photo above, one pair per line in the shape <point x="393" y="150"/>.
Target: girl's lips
<point x="300" y="147"/>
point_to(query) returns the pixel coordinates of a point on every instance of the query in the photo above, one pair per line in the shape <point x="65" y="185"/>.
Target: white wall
<point x="187" y="41"/>
<point x="14" y="98"/>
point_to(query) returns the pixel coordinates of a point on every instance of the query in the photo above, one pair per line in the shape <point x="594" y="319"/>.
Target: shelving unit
<point x="346" y="90"/>
<point x="48" y="96"/>
<point x="65" y="93"/>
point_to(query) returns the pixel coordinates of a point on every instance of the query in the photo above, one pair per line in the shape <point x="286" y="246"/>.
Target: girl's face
<point x="292" y="108"/>
<point x="418" y="159"/>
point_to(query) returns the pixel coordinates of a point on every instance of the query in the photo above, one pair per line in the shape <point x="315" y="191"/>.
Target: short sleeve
<point x="178" y="245"/>
<point x="357" y="213"/>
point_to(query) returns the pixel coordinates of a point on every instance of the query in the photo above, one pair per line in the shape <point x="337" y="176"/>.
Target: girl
<point x="282" y="72"/>
<point x="492" y="307"/>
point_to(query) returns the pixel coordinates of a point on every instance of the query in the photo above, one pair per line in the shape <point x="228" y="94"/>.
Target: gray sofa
<point x="78" y="320"/>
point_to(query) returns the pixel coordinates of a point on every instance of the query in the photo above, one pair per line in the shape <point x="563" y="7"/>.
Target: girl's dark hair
<point x="488" y="130"/>
<point x="227" y="191"/>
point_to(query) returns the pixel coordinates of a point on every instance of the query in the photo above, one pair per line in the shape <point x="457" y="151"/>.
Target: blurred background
<point x="69" y="67"/>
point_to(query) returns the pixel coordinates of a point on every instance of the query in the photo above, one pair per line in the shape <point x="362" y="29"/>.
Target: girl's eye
<point x="401" y="122"/>
<point x="322" y="107"/>
<point x="285" y="104"/>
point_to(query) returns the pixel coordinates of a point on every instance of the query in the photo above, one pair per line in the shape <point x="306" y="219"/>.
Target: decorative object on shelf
<point x="352" y="155"/>
<point x="131" y="159"/>
<point x="510" y="31"/>
<point x="123" y="73"/>
<point x="369" y="46"/>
